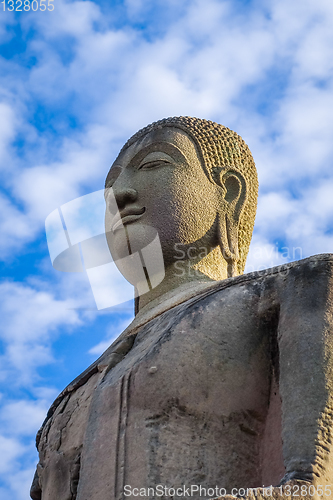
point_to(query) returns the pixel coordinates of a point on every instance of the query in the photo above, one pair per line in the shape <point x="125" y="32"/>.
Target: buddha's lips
<point x="126" y="216"/>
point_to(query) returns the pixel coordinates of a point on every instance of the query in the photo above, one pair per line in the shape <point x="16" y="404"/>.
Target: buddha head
<point x="194" y="183"/>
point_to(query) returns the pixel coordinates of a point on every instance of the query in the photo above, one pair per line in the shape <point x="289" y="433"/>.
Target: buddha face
<point x="160" y="187"/>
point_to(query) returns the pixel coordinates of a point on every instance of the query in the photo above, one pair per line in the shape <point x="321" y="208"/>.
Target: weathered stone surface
<point x="194" y="398"/>
<point x="221" y="380"/>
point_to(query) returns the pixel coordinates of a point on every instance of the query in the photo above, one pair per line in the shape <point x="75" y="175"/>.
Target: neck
<point x="182" y="275"/>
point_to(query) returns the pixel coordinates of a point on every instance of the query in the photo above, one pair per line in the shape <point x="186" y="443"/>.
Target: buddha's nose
<point x="124" y="196"/>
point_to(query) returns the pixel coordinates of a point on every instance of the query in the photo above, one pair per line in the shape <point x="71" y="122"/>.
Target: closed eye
<point x="153" y="164"/>
<point x="155" y="159"/>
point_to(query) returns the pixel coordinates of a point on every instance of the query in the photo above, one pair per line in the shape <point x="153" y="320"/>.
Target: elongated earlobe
<point x="227" y="235"/>
<point x="234" y="194"/>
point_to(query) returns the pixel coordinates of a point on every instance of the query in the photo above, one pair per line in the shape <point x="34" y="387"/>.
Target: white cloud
<point x="75" y="18"/>
<point x="111" y="335"/>
<point x="15" y="227"/>
<point x="29" y="314"/>
<point x="23" y="417"/>
<point x="30" y="319"/>
<point x="7" y="20"/>
<point x="7" y="131"/>
<point x="264" y="255"/>
<point x="39" y="189"/>
<point x="19" y="484"/>
<point x="11" y="450"/>
<point x="16" y="479"/>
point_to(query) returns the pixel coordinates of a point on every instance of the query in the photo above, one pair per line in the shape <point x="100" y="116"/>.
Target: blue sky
<point x="75" y="83"/>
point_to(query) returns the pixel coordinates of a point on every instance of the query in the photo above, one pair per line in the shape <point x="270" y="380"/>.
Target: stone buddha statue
<point x="222" y="380"/>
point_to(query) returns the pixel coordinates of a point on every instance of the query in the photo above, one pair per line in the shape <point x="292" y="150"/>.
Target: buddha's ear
<point x="233" y="191"/>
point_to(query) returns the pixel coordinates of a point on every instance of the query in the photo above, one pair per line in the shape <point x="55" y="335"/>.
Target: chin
<point x="133" y="247"/>
<point x="130" y="239"/>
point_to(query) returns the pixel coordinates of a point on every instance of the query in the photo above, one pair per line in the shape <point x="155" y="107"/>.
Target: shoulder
<point x="63" y="398"/>
<point x="267" y="288"/>
<point x="304" y="271"/>
<point x="87" y="380"/>
<point x="307" y="276"/>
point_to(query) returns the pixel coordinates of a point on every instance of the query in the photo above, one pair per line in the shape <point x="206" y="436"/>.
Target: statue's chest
<point x="210" y="357"/>
<point x="192" y="391"/>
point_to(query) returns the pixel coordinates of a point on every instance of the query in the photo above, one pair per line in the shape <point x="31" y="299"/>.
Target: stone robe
<point x="231" y="387"/>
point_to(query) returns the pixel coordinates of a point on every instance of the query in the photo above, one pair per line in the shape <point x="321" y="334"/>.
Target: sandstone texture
<point x="230" y="388"/>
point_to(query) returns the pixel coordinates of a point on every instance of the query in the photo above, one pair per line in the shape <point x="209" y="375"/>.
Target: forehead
<point x="167" y="139"/>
